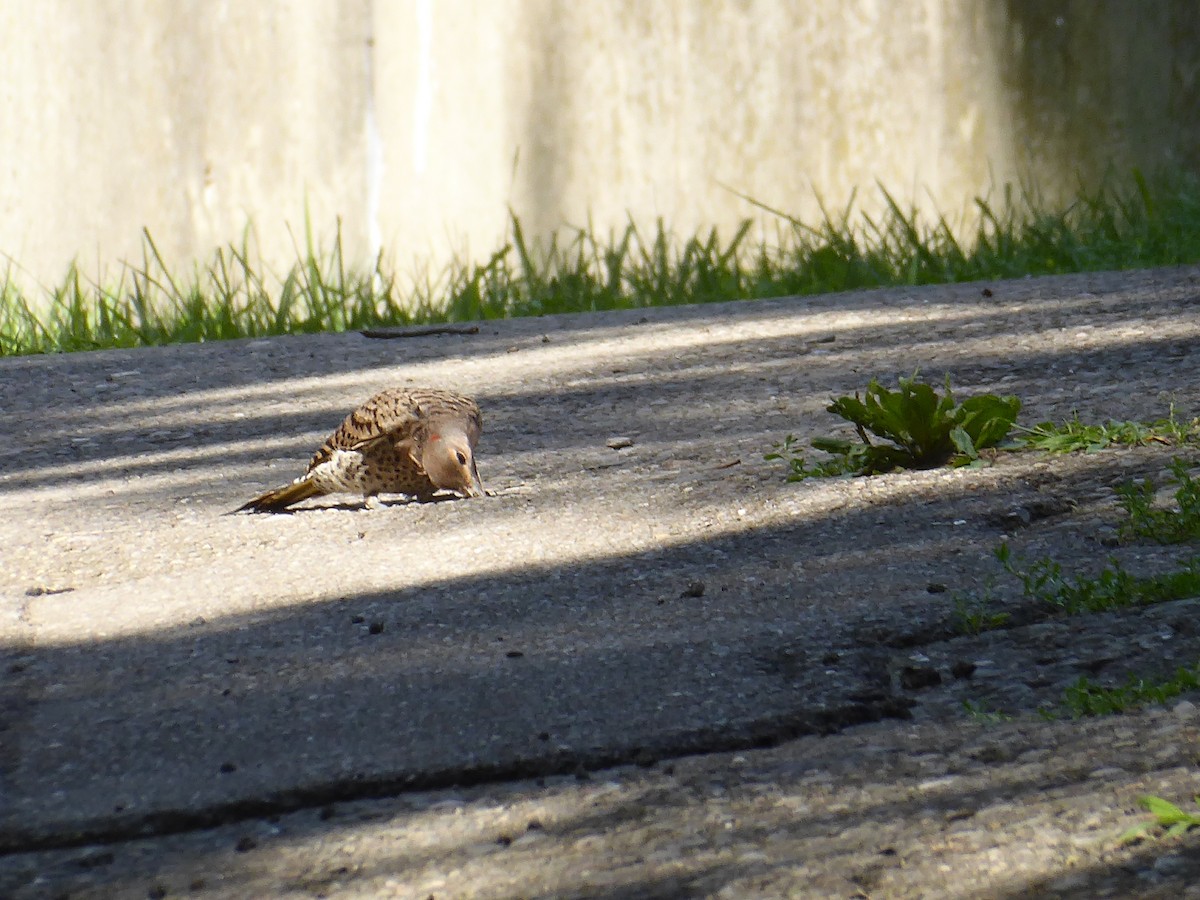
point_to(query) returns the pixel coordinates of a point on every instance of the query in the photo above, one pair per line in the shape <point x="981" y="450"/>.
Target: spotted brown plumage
<point x="413" y="441"/>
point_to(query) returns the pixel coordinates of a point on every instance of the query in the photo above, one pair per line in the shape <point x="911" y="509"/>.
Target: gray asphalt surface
<point x="167" y="666"/>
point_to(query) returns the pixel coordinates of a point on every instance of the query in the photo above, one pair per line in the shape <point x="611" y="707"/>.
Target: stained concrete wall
<point x="421" y="122"/>
<point x="184" y="117"/>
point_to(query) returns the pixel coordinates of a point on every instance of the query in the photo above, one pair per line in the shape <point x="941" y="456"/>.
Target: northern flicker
<point x="413" y="441"/>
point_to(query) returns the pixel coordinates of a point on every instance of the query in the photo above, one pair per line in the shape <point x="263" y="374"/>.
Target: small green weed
<point x="1112" y="588"/>
<point x="923" y="430"/>
<point x="1074" y="436"/>
<point x="980" y="713"/>
<point x="1087" y="698"/>
<point x="800" y="468"/>
<point x="1166" y="526"/>
<point x="1168" y="817"/>
<point x="974" y="613"/>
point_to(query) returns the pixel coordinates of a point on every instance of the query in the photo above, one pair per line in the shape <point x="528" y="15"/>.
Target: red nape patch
<point x="435" y="437"/>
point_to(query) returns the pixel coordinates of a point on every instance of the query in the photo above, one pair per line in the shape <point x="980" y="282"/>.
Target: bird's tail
<point x="280" y="498"/>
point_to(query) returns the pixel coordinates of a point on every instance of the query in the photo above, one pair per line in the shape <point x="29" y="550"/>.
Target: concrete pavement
<point x="167" y="666"/>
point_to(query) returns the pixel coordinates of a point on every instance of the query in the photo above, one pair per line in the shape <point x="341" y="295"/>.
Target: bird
<point x="413" y="441"/>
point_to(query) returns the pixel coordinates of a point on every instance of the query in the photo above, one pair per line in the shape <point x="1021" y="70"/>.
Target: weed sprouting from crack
<point x="1076" y="436"/>
<point x="920" y="430"/>
<point x="1169" y="820"/>
<point x="1163" y="525"/>
<point x="925" y="430"/>
<point x="976" y="613"/>
<point x="1087" y="698"/>
<point x="1113" y="587"/>
<point x="980" y="713"/>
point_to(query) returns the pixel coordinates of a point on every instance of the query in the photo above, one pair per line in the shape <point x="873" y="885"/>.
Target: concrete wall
<point x="420" y="122"/>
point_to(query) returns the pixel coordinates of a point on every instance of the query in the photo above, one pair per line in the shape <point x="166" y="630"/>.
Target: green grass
<point x="1164" y="525"/>
<point x="980" y="713"/>
<point x="1112" y="588"/>
<point x="1075" y="436"/>
<point x="1142" y="222"/>
<point x="1044" y="581"/>
<point x="976" y="613"/>
<point x="1087" y="698"/>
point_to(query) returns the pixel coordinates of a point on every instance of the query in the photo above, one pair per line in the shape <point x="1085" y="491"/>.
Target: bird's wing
<point x="390" y="415"/>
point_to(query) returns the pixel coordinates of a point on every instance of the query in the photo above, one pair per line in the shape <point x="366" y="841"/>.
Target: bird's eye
<point x="462" y="457"/>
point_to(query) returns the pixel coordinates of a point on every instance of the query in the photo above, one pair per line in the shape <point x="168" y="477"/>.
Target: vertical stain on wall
<point x="375" y="148"/>
<point x="423" y="108"/>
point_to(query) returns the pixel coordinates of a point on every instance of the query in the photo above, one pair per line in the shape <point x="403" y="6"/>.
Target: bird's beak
<point x="476" y="489"/>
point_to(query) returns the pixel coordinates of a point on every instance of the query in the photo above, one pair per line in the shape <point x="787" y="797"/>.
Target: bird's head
<point x="449" y="462"/>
